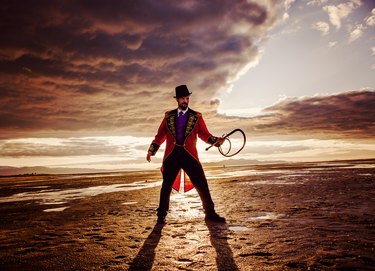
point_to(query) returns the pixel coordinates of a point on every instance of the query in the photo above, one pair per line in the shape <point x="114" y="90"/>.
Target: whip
<point x="226" y="137"/>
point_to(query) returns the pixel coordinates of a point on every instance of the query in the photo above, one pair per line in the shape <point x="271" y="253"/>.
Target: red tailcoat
<point x="195" y="127"/>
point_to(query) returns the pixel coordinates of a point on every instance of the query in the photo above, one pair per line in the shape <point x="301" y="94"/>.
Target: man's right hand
<point x="149" y="154"/>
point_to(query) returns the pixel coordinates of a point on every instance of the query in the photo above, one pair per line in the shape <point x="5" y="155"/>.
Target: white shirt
<point x="183" y="111"/>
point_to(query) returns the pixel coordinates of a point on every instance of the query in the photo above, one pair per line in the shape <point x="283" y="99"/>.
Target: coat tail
<point x="182" y="178"/>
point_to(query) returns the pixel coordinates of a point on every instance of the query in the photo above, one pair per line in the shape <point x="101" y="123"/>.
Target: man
<point x="180" y="128"/>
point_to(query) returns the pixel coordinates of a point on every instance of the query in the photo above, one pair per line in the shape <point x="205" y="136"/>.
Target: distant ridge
<point x="240" y="162"/>
<point x="12" y="171"/>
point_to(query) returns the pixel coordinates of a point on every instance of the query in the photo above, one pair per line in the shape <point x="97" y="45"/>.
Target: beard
<point x="183" y="106"/>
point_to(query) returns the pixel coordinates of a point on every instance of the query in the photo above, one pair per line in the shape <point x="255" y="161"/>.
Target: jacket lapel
<point x="191" y="122"/>
<point x="171" y="117"/>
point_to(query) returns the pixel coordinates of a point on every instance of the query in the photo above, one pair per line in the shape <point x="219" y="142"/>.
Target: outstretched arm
<point x="158" y="140"/>
<point x="206" y="136"/>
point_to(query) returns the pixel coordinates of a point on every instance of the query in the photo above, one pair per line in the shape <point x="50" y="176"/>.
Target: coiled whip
<point x="226" y="137"/>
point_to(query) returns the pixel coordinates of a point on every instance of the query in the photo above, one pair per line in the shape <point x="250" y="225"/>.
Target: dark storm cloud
<point x="348" y="114"/>
<point x="61" y="60"/>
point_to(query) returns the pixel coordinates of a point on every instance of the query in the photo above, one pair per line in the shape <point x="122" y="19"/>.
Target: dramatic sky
<point x="86" y="83"/>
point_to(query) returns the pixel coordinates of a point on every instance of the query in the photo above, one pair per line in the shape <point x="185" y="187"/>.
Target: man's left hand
<point x="219" y="142"/>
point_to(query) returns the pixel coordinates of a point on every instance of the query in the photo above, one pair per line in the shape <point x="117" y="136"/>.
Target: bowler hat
<point x="182" y="91"/>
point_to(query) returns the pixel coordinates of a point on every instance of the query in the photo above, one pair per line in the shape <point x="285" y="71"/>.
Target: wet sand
<point x="306" y="216"/>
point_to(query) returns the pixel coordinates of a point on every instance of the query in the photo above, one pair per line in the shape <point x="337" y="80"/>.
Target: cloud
<point x="370" y="20"/>
<point x="316" y="2"/>
<point x="356" y="33"/>
<point x="79" y="68"/>
<point x="341" y="11"/>
<point x="73" y="147"/>
<point x="270" y="148"/>
<point x="322" y="27"/>
<point x="348" y="114"/>
<point x="332" y="44"/>
<point x="96" y="68"/>
<point x="287" y="5"/>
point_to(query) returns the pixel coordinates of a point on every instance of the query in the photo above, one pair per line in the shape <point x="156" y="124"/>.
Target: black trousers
<point x="180" y="158"/>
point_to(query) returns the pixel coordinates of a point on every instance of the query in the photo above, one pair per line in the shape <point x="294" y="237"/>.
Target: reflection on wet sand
<point x="61" y="196"/>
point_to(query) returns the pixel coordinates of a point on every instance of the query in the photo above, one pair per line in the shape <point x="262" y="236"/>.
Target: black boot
<point x="214" y="217"/>
<point x="161" y="216"/>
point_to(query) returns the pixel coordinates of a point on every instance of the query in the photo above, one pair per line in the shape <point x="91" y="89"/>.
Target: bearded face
<point x="183" y="102"/>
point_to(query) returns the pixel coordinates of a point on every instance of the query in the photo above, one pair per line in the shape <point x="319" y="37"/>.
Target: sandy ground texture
<point x="315" y="216"/>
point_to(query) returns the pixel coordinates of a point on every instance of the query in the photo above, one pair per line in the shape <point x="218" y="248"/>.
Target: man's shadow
<point x="145" y="257"/>
<point x="219" y="240"/>
<point x="218" y="237"/>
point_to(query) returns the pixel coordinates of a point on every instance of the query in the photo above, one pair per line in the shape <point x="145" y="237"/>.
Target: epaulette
<point x="196" y="113"/>
<point x="168" y="113"/>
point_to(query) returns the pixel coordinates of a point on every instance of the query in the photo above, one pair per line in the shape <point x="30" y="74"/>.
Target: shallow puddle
<point x="55" y="209"/>
<point x="238" y="228"/>
<point x="129" y="203"/>
<point x="266" y="216"/>
<point x="51" y="196"/>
